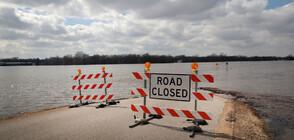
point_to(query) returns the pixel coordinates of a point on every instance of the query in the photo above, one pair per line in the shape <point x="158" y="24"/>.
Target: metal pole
<point x="80" y="91"/>
<point x="196" y="91"/>
<point x="105" y="88"/>
<point x="145" y="86"/>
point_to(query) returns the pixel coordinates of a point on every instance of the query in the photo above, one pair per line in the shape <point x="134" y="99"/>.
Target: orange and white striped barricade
<point x="172" y="112"/>
<point x="143" y="92"/>
<point x="81" y="87"/>
<point x="93" y="86"/>
<point x="173" y="87"/>
<point x="197" y="96"/>
<point x="92" y="76"/>
<point x="93" y="97"/>
<point x="107" y="86"/>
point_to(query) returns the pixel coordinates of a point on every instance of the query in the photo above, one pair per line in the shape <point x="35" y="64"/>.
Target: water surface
<point x="32" y="88"/>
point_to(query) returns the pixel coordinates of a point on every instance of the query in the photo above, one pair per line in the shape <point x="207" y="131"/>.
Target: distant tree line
<point x="81" y="58"/>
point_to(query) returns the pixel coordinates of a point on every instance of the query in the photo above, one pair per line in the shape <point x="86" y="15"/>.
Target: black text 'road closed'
<point x="170" y="86"/>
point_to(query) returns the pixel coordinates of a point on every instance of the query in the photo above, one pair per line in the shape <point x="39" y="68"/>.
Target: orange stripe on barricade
<point x="137" y="75"/>
<point x="73" y="87"/>
<point x="90" y="76"/>
<point x="106" y="75"/>
<point x="94" y="97"/>
<point x="86" y="87"/>
<point x="173" y="112"/>
<point x="80" y="86"/>
<point x="83" y="76"/>
<point x="145" y="109"/>
<point x="101" y="86"/>
<point x="102" y="97"/>
<point x="109" y="97"/>
<point x="93" y="86"/>
<point x="109" y="85"/>
<point x="158" y="111"/>
<point x="204" y="115"/>
<point x="134" y="108"/>
<point x="188" y="113"/>
<point x="97" y="75"/>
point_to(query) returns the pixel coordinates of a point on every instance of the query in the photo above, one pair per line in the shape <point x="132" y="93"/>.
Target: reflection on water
<point x="31" y="88"/>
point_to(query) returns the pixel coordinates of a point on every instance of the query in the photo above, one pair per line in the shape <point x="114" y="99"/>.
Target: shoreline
<point x="25" y="114"/>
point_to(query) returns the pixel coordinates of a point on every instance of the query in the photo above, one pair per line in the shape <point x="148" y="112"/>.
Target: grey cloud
<point x="13" y="35"/>
<point x="233" y="34"/>
<point x="123" y="5"/>
<point x="280" y="21"/>
<point x="158" y="9"/>
<point x="38" y="2"/>
<point x="155" y="27"/>
<point x="77" y="37"/>
<point x="180" y="9"/>
<point x="9" y="19"/>
<point x="47" y="44"/>
<point x="47" y="28"/>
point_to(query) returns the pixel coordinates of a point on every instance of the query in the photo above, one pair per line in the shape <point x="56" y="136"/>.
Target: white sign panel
<point x="170" y="86"/>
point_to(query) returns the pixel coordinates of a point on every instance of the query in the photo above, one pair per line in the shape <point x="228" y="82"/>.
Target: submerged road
<point x="111" y="122"/>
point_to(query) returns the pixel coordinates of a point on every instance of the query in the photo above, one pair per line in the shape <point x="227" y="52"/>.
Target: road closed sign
<point x="170" y="86"/>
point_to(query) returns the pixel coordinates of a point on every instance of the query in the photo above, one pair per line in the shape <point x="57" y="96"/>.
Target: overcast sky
<point x="45" y="28"/>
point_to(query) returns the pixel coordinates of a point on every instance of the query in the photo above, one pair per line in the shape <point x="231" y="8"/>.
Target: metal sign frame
<point x="189" y="90"/>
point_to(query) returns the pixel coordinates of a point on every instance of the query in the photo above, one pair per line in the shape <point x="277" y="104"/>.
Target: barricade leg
<point x="143" y="121"/>
<point x="198" y="121"/>
<point x="195" y="128"/>
<point x="108" y="103"/>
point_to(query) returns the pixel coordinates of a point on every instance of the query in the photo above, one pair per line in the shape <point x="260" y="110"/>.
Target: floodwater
<point x="32" y="88"/>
